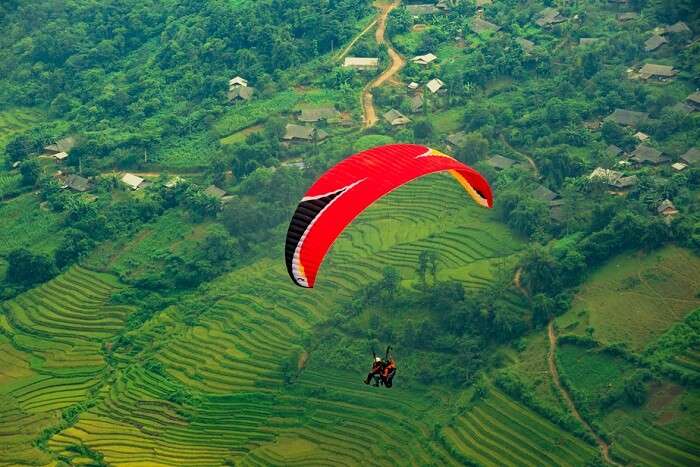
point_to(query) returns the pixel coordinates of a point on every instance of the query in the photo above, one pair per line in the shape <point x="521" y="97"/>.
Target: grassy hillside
<point x="208" y="373"/>
<point x="636" y="297"/>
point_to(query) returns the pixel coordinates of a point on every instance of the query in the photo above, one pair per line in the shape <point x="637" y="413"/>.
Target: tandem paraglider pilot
<point x="382" y="371"/>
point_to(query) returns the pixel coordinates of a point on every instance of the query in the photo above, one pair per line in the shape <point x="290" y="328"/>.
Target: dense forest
<point x="152" y="153"/>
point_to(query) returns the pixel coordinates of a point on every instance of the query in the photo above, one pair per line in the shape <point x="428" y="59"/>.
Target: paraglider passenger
<point x="375" y="373"/>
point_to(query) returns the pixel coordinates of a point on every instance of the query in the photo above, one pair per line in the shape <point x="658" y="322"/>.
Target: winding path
<point x="522" y="154"/>
<point x="604" y="447"/>
<point x="345" y="51"/>
<point x="397" y="62"/>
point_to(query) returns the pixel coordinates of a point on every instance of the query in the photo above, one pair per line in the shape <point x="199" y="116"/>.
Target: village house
<point x="215" y="192"/>
<point x="60" y="156"/>
<point x="294" y="132"/>
<point x="76" y="183"/>
<point x="641" y="136"/>
<point x="424" y="59"/>
<point x="132" y="181"/>
<point x="316" y="114"/>
<point x="480" y="26"/>
<point x="413" y="85"/>
<point x="526" y="45"/>
<point x="554" y="203"/>
<point x="682" y="107"/>
<point x="587" y="41"/>
<point x="679" y="28"/>
<point x="361" y="63"/>
<point x="544" y="194"/>
<point x="394" y="118"/>
<point x="301" y="165"/>
<point x="614" y="151"/>
<point x="434" y="85"/>
<point x="236" y="82"/>
<point x="416" y="102"/>
<point x="693" y="100"/>
<point x="417" y="10"/>
<point x="62" y="145"/>
<point x="549" y="17"/>
<point x="481" y="3"/>
<point x="613" y="178"/>
<point x="240" y="93"/>
<point x="173" y="182"/>
<point x="654" y="42"/>
<point x="628" y="117"/>
<point x="500" y="162"/>
<point x="667" y="210"/>
<point x="679" y="166"/>
<point x="628" y="16"/>
<point x="658" y="72"/>
<point x="456" y="140"/>
<point x="644" y="154"/>
<point x="692" y="157"/>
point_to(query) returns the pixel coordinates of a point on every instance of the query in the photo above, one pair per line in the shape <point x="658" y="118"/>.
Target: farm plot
<point x="499" y="431"/>
<point x="51" y="356"/>
<point x="636" y="297"/>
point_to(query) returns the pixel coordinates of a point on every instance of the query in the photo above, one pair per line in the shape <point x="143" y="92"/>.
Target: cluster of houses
<point x="663" y="34"/>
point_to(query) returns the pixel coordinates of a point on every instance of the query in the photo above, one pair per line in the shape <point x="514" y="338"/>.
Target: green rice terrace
<point x="152" y="154"/>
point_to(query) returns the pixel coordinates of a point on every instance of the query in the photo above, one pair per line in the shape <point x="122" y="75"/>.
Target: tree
<point x="423" y="129"/>
<point x="26" y="268"/>
<point x="30" y="171"/>
<point x="391" y="280"/>
<point x="474" y="148"/>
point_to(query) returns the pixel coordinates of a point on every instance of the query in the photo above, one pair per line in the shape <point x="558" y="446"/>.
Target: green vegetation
<point x="158" y="326"/>
<point x="635" y="298"/>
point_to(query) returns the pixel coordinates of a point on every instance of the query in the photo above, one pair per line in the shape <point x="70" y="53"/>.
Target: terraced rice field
<point x="647" y="444"/>
<point x="499" y="431"/>
<point x="51" y="346"/>
<point x="13" y="121"/>
<point x="202" y="382"/>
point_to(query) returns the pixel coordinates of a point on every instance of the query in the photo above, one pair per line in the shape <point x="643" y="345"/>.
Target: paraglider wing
<point x="353" y="184"/>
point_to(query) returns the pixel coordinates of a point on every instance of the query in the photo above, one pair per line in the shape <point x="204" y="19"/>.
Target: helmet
<point x="377" y="359"/>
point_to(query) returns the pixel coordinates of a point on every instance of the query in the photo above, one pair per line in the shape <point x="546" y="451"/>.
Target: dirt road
<point x="528" y="158"/>
<point x="397" y="62"/>
<point x="604" y="448"/>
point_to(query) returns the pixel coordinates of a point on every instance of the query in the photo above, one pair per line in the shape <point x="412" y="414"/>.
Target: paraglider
<point x="382" y="371"/>
<point x="352" y="185"/>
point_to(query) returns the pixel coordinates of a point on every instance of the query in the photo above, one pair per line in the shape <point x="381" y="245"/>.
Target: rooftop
<point x="654" y="42"/>
<point x="302" y="132"/>
<point x="479" y="25"/>
<point x="678" y="27"/>
<point x="549" y="16"/>
<point x="76" y="183"/>
<point x="62" y="145"/>
<point x="215" y="192"/>
<point x="132" y="180"/>
<point x="424" y="59"/>
<point x="361" y="62"/>
<point x="643" y="154"/>
<point x="651" y="69"/>
<point x="240" y="92"/>
<point x="525" y="44"/>
<point x="434" y="85"/>
<point x="691" y="156"/>
<point x="544" y="194"/>
<point x="628" y="117"/>
<point x="394" y="117"/>
<point x="500" y="162"/>
<point x="315" y="114"/>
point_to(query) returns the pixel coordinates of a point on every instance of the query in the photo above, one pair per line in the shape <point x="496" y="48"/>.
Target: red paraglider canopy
<point x="352" y="185"/>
